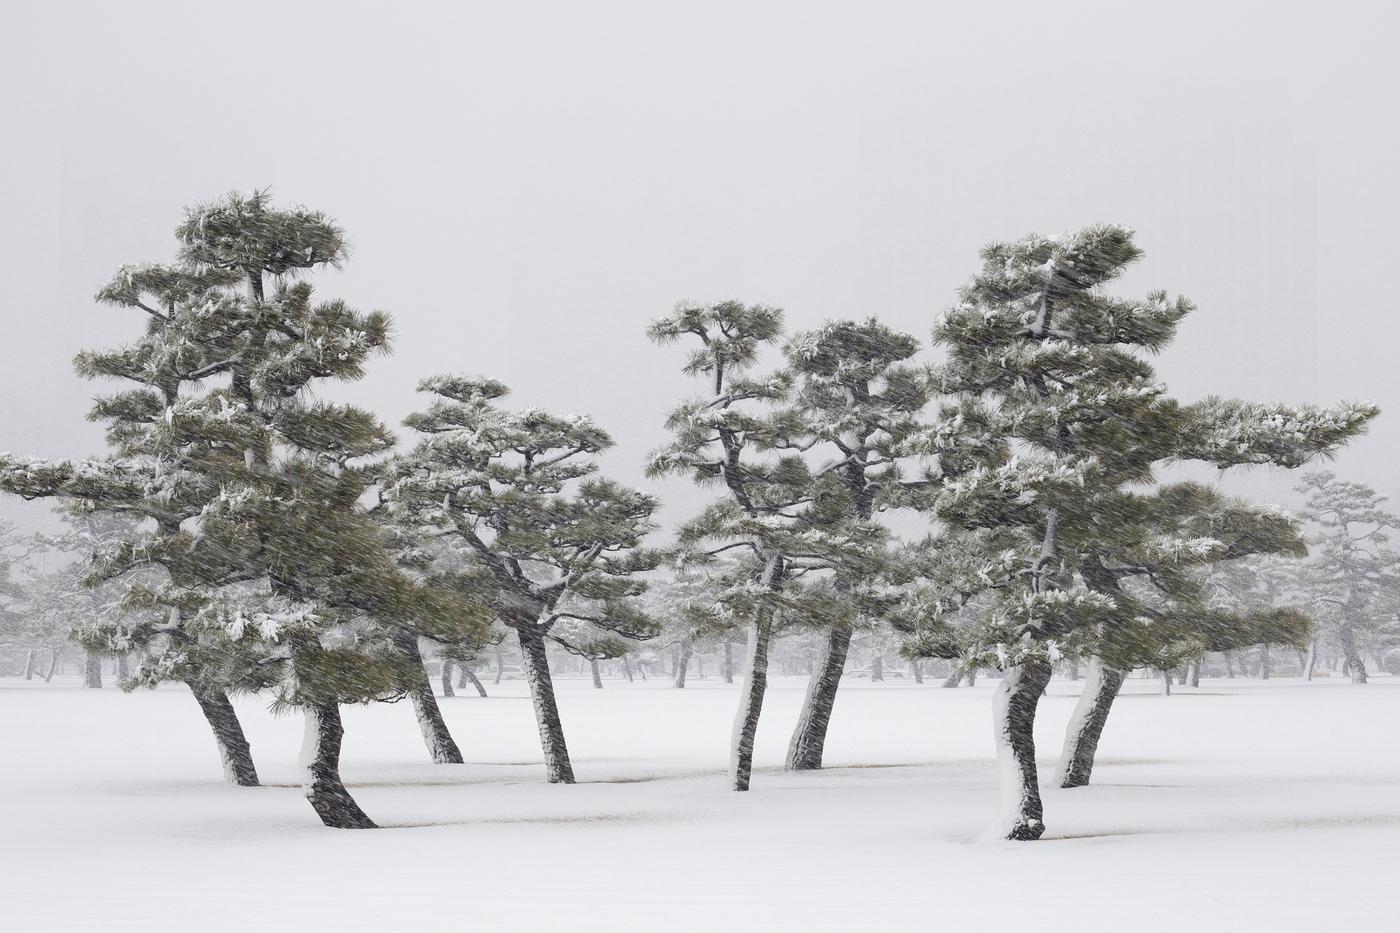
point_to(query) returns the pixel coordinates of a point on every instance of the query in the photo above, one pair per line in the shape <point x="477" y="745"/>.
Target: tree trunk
<point x="728" y="661"/>
<point x="30" y="664"/>
<point x="597" y="676"/>
<point x="682" y="661"/>
<point x="1194" y="669"/>
<point x="1181" y="675"/>
<point x="1166" y="683"/>
<point x="1264" y="666"/>
<point x="320" y="762"/>
<point x="1073" y="668"/>
<point x="92" y="671"/>
<point x="1086" y="725"/>
<point x="877" y="666"/>
<point x="54" y="655"/>
<point x="751" y="690"/>
<point x="470" y="677"/>
<point x="627" y="668"/>
<point x="1229" y="665"/>
<point x="1310" y="662"/>
<point x="500" y="661"/>
<point x="1013" y="719"/>
<point x="809" y="738"/>
<point x="917" y="670"/>
<point x="123" y="671"/>
<point x="955" y="678"/>
<point x="971" y="676"/>
<point x="447" y="690"/>
<point x="234" y="753"/>
<point x="441" y="746"/>
<point x="558" y="768"/>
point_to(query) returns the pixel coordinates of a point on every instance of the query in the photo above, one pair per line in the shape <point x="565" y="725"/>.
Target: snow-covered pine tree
<point x="1351" y="580"/>
<point x="857" y="400"/>
<point x="765" y="525"/>
<point x="156" y="472"/>
<point x="1059" y="364"/>
<point x="290" y="555"/>
<point x="1150" y="557"/>
<point x="555" y="552"/>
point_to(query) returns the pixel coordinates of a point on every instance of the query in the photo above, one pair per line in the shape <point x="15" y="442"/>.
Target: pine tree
<point x="769" y="525"/>
<point x="555" y="552"/>
<point x="857" y="401"/>
<point x="1352" y="579"/>
<point x="156" y="472"/>
<point x="1057" y="365"/>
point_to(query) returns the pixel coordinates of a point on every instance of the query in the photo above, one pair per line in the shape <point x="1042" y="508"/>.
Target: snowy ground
<point x="1239" y="806"/>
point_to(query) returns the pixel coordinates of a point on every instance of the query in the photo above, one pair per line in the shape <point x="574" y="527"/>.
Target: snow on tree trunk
<point x="597" y="676"/>
<point x="1310" y="662"/>
<point x="447" y="690"/>
<point x="441" y="746"/>
<point x="1229" y="665"/>
<point x="92" y="671"/>
<point x="1013" y="718"/>
<point x="682" y="662"/>
<point x="955" y="678"/>
<point x="877" y="666"/>
<point x="234" y="752"/>
<point x="971" y="677"/>
<point x="1166" y="683"/>
<point x="30" y="664"/>
<point x="627" y="668"/>
<point x="1264" y="667"/>
<point x="754" y="683"/>
<point x="1182" y="674"/>
<point x="500" y="662"/>
<point x="917" y="670"/>
<point x="461" y="676"/>
<point x="728" y="661"/>
<point x="558" y="768"/>
<point x="1195" y="672"/>
<point x="1073" y="669"/>
<point x="1086" y="725"/>
<point x="320" y="763"/>
<point x="54" y="655"/>
<point x="809" y="738"/>
<point x="122" y="670"/>
<point x="1352" y="665"/>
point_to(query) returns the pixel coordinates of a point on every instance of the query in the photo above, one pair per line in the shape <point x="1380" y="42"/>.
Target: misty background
<point x="525" y="186"/>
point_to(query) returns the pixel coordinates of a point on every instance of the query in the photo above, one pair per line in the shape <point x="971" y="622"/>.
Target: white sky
<point x="526" y="185"/>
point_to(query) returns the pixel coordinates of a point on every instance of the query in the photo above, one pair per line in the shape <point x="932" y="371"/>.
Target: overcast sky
<point x="526" y="185"/>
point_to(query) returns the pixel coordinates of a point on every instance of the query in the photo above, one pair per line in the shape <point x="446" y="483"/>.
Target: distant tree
<point x="555" y="552"/>
<point x="1352" y="579"/>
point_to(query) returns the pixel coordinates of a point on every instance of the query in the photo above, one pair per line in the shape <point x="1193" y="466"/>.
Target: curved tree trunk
<point x="470" y="677"/>
<point x="1013" y="719"/>
<point x="320" y="762"/>
<point x="30" y="664"/>
<point x="54" y="655"/>
<point x="447" y="690"/>
<point x="234" y="753"/>
<point x="1086" y="725"/>
<point x="809" y="738"/>
<point x="441" y="746"/>
<point x="1310" y="662"/>
<point x="558" y="768"/>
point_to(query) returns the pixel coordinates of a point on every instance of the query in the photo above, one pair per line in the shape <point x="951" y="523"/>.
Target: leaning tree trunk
<point x="54" y="655"/>
<point x="558" y="768"/>
<point x="234" y="752"/>
<point x="972" y="677"/>
<point x="470" y="677"/>
<point x="461" y="676"/>
<point x="809" y="738"/>
<point x="1013" y="719"/>
<point x="627" y="668"/>
<point x="1310" y="662"/>
<point x="320" y="762"/>
<point x="441" y="746"/>
<point x="917" y="670"/>
<point x="753" y="685"/>
<point x="682" y="662"/>
<point x="92" y="671"/>
<point x="1086" y="725"/>
<point x="955" y="678"/>
<point x="597" y="676"/>
<point x="728" y="669"/>
<point x="30" y="664"/>
<point x="500" y="661"/>
<point x="447" y="690"/>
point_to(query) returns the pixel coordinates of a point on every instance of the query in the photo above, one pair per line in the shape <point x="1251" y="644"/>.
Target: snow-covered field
<point x="1243" y="805"/>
